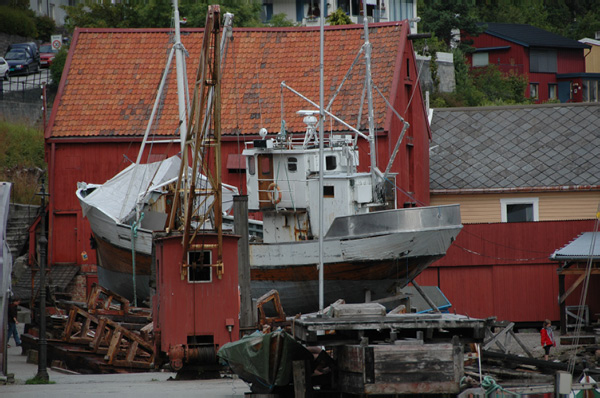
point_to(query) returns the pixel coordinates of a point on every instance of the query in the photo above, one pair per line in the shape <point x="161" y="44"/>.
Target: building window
<point x="267" y="10"/>
<point x="519" y="210"/>
<point x="542" y="61"/>
<point x="481" y="59"/>
<point x="200" y="270"/>
<point x="534" y="90"/>
<point x="590" y="90"/>
<point x="552" y="91"/>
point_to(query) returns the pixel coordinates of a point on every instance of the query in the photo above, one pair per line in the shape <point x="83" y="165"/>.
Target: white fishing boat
<point x="126" y="211"/>
<point x="329" y="231"/>
<point x="370" y="248"/>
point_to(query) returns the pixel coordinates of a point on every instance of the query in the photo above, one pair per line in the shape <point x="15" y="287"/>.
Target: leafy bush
<point x="280" y="20"/>
<point x="16" y="22"/>
<point x="58" y="64"/>
<point x="21" y="160"/>
<point x="45" y="27"/>
<point x="338" y="17"/>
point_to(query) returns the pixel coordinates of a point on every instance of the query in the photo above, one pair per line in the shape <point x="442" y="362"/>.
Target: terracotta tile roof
<point x="112" y="76"/>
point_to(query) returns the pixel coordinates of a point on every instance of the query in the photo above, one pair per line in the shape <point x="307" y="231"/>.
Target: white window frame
<point x="209" y="267"/>
<point x="534" y="90"/>
<point x="519" y="201"/>
<point x="481" y="59"/>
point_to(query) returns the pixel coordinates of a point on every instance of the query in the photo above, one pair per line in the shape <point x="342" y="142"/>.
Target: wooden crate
<point x="400" y="368"/>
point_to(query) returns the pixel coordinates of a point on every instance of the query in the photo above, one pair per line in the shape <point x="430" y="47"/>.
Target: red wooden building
<point x="528" y="182"/>
<point x="554" y="65"/>
<point x="110" y="79"/>
<point x="505" y="270"/>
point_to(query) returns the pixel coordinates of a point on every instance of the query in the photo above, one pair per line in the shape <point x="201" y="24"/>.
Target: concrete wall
<point x="445" y="62"/>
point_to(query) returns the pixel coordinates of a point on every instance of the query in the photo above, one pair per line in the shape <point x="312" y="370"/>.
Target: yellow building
<point x="517" y="163"/>
<point x="592" y="56"/>
<point x="591" y="83"/>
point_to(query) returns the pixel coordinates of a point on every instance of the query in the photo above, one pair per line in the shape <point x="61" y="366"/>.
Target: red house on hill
<point x="110" y="79"/>
<point x="554" y="65"/>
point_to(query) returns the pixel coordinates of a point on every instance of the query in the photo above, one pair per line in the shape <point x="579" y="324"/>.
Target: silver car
<point x="4" y="69"/>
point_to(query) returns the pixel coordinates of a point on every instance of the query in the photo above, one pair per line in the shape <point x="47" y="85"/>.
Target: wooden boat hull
<point x="115" y="270"/>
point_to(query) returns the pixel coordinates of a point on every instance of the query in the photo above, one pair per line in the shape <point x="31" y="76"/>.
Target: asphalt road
<point x="139" y="385"/>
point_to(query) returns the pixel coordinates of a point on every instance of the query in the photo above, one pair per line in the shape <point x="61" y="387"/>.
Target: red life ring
<point x="271" y="191"/>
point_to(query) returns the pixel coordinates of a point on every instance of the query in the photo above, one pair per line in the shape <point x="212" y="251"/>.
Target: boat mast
<point x="181" y="87"/>
<point x="321" y="159"/>
<point x="371" y="118"/>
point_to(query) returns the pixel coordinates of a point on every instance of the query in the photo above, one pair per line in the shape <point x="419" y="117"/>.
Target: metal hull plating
<point x="375" y="253"/>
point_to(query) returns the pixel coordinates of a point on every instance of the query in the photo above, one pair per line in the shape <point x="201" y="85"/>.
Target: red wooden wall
<point x="503" y="270"/>
<point x="183" y="309"/>
<point x="516" y="60"/>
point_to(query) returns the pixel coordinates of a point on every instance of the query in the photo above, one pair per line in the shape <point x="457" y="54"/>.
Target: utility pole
<point x="42" y="373"/>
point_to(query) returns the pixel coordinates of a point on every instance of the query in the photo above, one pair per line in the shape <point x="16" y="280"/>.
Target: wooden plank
<point x="302" y="386"/>
<point x="495" y="339"/>
<point x="113" y="347"/>
<point x="100" y="334"/>
<point x="578" y="271"/>
<point x="132" y="351"/>
<point x="572" y="288"/>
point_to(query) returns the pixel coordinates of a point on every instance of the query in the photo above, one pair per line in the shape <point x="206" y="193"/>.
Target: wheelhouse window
<point x="330" y="162"/>
<point x="292" y="164"/>
<point x="251" y="165"/>
<point x="200" y="270"/>
<point x="519" y="210"/>
<point x="328" y="191"/>
<point x="265" y="166"/>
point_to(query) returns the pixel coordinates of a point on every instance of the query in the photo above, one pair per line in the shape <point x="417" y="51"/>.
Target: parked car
<point x="21" y="61"/>
<point x="30" y="46"/>
<point x="4" y="69"/>
<point x="47" y="54"/>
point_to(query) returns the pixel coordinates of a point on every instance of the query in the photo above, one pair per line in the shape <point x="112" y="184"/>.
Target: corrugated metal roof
<point x="515" y="147"/>
<point x="530" y="36"/>
<point x="109" y="86"/>
<point x="583" y="247"/>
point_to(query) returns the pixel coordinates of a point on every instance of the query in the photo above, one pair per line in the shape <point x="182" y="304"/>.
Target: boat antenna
<point x="321" y="158"/>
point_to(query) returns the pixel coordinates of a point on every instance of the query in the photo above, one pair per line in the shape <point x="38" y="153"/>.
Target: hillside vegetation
<point x="22" y="160"/>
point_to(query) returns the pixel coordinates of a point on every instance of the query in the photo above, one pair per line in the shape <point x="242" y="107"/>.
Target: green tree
<point x="58" y="64"/>
<point x="16" y="22"/>
<point x="441" y="17"/>
<point x="338" y="17"/>
<point x="280" y="20"/>
<point x="499" y="87"/>
<point x="103" y="15"/>
<point x="155" y="14"/>
<point x="45" y="27"/>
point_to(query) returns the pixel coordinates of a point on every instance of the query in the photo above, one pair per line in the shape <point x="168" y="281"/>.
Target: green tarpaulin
<point x="264" y="360"/>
